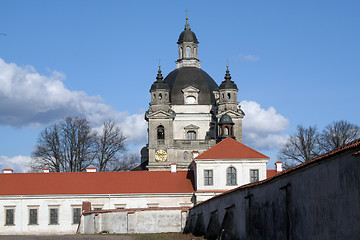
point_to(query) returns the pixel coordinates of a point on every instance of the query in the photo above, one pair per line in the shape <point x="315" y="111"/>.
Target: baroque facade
<point x="189" y="112"/>
<point x="194" y="153"/>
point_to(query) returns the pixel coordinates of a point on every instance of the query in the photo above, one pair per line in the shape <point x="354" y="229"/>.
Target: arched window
<point x="228" y="95"/>
<point x="188" y="52"/>
<point x="160" y="133"/>
<point x="181" y="53"/>
<point x="231" y="176"/>
<point x="226" y="131"/>
<point x="186" y="155"/>
<point x="160" y="96"/>
<point x="190" y="100"/>
<point x="191" y="135"/>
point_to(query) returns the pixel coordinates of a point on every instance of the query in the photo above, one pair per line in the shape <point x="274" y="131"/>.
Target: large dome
<point x="185" y="77"/>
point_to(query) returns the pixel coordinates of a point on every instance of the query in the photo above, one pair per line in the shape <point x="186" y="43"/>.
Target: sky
<point x="294" y="62"/>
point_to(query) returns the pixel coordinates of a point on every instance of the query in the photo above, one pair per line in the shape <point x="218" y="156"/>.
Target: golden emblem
<point x="160" y="156"/>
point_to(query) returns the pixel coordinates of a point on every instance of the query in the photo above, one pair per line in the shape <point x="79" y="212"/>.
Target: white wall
<point x="142" y="221"/>
<point x="65" y="203"/>
<point x="198" y="115"/>
<point x="219" y="167"/>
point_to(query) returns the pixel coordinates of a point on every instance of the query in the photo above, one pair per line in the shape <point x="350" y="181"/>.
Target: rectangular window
<point x="191" y="135"/>
<point x="97" y="209"/>
<point x="33" y="216"/>
<point x="254" y="175"/>
<point x="208" y="177"/>
<point x="76" y="215"/>
<point x="9" y="216"/>
<point x="231" y="176"/>
<point x="54" y="217"/>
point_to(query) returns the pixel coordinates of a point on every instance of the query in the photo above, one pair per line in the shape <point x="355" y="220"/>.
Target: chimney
<point x="91" y="169"/>
<point x="46" y="170"/>
<point x="173" y="167"/>
<point x="86" y="206"/>
<point x="7" y="171"/>
<point x="279" y="166"/>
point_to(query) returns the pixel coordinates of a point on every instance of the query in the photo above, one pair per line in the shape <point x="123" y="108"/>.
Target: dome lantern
<point x="188" y="48"/>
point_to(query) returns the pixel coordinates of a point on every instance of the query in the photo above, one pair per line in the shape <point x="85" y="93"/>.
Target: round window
<point x="190" y="100"/>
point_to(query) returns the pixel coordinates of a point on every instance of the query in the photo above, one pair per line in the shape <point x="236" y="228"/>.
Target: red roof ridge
<point x="228" y="141"/>
<point x="253" y="150"/>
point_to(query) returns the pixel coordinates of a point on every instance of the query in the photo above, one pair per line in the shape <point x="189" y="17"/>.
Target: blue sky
<point x="295" y="62"/>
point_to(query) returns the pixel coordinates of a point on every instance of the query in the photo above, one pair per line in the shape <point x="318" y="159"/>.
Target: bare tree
<point x="67" y="146"/>
<point x="301" y="147"/>
<point x="109" y="146"/>
<point x="337" y="134"/>
<point x="126" y="163"/>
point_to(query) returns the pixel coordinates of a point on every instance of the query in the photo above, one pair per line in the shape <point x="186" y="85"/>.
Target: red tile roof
<point x="96" y="183"/>
<point x="271" y="172"/>
<point x="231" y="149"/>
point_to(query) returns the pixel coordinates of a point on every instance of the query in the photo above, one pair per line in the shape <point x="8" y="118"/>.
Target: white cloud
<point x="30" y="99"/>
<point x="17" y="163"/>
<point x="251" y="58"/>
<point x="247" y="58"/>
<point x="263" y="128"/>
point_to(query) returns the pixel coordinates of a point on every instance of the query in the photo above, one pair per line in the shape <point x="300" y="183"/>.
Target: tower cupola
<point x="188" y="48"/>
<point x="225" y="127"/>
<point x="227" y="83"/>
<point x="228" y="93"/>
<point x="159" y="93"/>
<point x="159" y="83"/>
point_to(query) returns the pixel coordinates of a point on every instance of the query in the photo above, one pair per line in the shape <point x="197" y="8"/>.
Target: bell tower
<point x="228" y="105"/>
<point x="160" y="123"/>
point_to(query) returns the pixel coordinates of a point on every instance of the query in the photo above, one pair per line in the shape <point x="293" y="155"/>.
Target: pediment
<point x="190" y="89"/>
<point x="191" y="126"/>
<point x="160" y="114"/>
<point x="232" y="113"/>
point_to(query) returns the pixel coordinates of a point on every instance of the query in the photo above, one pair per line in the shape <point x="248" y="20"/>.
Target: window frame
<point x="76" y="219"/>
<point x="208" y="180"/>
<point x="257" y="178"/>
<point x="160" y="133"/>
<point x="52" y="217"/>
<point x="192" y="136"/>
<point x="31" y="215"/>
<point x="6" y="209"/>
<point x="188" y="52"/>
<point x="233" y="176"/>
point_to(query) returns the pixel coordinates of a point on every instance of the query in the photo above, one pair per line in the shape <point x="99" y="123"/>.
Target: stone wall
<point x="149" y="220"/>
<point x="316" y="200"/>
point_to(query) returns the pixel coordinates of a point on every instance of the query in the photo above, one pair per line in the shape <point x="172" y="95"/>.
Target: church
<point x="188" y="111"/>
<point x="194" y="152"/>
